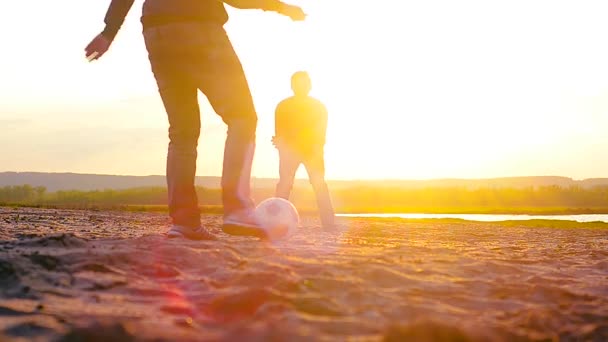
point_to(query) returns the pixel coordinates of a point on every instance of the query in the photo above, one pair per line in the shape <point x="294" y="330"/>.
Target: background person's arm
<point x="282" y="126"/>
<point x="279" y="126"/>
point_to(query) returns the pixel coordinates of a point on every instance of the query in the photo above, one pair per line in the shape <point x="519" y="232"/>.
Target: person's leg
<point x="221" y="78"/>
<point x="288" y="166"/>
<point x="315" y="167"/>
<point x="228" y="92"/>
<point x="179" y="96"/>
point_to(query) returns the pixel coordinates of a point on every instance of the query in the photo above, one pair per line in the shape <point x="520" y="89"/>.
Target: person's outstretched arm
<point x="293" y="12"/>
<point x="115" y="17"/>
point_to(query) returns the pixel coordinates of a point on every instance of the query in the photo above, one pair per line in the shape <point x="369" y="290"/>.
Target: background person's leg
<point x="315" y="167"/>
<point x="288" y="166"/>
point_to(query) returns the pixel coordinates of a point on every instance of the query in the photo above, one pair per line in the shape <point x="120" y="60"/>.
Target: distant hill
<point x="79" y="181"/>
<point x="76" y="181"/>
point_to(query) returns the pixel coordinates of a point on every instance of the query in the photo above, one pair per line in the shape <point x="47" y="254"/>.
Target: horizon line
<point x="329" y="180"/>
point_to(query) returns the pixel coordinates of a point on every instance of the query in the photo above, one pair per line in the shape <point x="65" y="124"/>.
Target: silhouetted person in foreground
<point x="189" y="50"/>
<point x="300" y="129"/>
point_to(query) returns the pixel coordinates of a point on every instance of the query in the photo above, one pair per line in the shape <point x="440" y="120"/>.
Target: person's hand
<point x="278" y="143"/>
<point x="295" y="13"/>
<point x="97" y="47"/>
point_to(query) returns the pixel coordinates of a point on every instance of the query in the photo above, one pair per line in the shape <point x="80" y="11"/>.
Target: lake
<point x="489" y="217"/>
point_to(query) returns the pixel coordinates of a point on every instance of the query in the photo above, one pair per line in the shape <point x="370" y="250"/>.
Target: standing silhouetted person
<point x="300" y="129"/>
<point x="189" y="50"/>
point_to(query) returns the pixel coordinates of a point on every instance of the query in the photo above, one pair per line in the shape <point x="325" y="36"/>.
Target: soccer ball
<point x="277" y="216"/>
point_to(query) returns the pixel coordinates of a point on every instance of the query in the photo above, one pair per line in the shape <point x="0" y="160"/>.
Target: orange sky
<point x="415" y="89"/>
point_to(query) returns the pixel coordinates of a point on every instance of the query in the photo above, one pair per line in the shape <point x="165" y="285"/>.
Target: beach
<point x="76" y="275"/>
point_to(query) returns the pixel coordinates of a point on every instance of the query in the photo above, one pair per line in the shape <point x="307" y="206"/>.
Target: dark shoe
<point x="244" y="223"/>
<point x="198" y="233"/>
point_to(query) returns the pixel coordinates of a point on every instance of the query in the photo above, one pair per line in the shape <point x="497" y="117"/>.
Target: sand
<point x="111" y="276"/>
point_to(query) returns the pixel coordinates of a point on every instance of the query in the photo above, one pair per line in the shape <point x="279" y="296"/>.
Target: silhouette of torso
<point x="159" y="11"/>
<point x="301" y="124"/>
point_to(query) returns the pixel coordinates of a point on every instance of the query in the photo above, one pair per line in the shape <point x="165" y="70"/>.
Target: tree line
<point x="359" y="199"/>
<point x="26" y="194"/>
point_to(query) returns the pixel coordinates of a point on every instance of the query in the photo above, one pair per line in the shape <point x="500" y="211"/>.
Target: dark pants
<point x="186" y="58"/>
<point x="315" y="167"/>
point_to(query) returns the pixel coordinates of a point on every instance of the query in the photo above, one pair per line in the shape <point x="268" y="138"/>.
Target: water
<point x="490" y="217"/>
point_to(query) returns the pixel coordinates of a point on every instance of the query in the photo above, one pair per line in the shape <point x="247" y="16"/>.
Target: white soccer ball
<point x="278" y="217"/>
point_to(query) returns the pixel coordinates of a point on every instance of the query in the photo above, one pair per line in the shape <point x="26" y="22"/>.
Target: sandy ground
<point x="111" y="276"/>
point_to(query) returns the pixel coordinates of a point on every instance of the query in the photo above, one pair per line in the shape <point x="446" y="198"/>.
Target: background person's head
<point x="300" y="83"/>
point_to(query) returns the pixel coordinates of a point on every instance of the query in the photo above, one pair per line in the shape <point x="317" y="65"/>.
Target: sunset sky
<point x="415" y="89"/>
